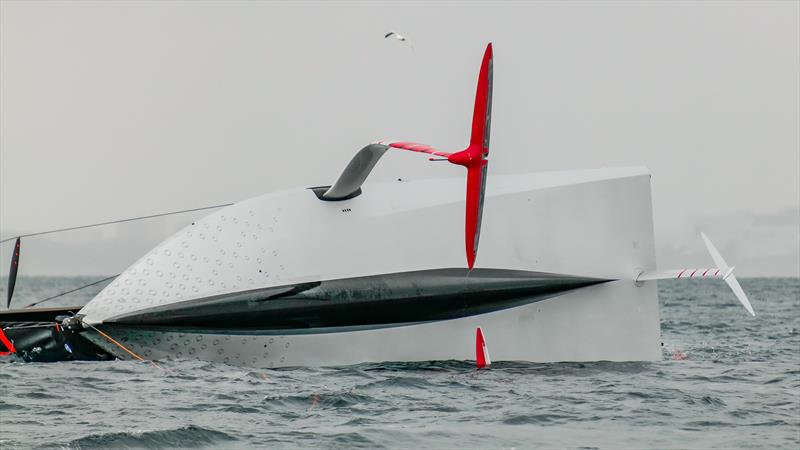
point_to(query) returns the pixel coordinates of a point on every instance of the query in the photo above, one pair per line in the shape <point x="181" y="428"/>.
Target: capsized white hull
<point x="595" y="223"/>
<point x="355" y="272"/>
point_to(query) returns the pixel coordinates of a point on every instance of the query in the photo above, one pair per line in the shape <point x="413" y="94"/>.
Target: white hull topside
<point x="590" y="223"/>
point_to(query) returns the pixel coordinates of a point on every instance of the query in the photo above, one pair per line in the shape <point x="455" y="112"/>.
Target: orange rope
<point x="124" y="348"/>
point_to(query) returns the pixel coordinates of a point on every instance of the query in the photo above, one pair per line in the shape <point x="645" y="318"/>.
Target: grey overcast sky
<point x="117" y="109"/>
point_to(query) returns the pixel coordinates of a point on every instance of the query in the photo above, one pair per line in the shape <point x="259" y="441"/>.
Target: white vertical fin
<point x="739" y="292"/>
<point x="723" y="270"/>
<point x="729" y="278"/>
<point x="714" y="253"/>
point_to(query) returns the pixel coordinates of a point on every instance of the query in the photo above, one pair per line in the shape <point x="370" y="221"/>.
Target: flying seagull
<point x="399" y="37"/>
<point x="396" y="36"/>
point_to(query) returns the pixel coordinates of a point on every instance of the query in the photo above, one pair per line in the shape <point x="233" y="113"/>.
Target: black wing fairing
<point x="370" y="301"/>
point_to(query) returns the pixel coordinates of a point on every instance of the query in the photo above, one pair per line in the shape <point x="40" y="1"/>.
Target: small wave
<point x="397" y="382"/>
<point x="700" y="425"/>
<point x="8" y="406"/>
<point x="707" y="400"/>
<point x="359" y="422"/>
<point x="525" y="419"/>
<point x="36" y="395"/>
<point x="185" y="437"/>
<point x="435" y="408"/>
<point x="305" y="439"/>
<point x="239" y="409"/>
<point x="433" y="366"/>
<point x="320" y="399"/>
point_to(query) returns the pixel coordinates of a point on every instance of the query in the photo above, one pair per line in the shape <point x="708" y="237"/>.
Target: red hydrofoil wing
<point x="474" y="158"/>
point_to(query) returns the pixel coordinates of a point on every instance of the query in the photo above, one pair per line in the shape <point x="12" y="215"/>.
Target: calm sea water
<point x="738" y="388"/>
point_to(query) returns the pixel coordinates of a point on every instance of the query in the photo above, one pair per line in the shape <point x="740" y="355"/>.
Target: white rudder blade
<point x="721" y="271"/>
<point x="728" y="276"/>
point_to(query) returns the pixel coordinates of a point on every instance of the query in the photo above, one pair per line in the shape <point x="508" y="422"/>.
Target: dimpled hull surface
<point x="270" y="281"/>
